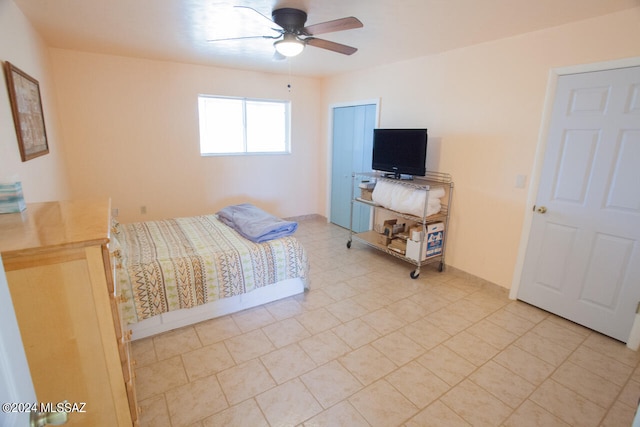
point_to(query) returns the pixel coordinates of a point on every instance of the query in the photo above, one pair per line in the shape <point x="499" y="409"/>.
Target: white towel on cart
<point x="406" y="199"/>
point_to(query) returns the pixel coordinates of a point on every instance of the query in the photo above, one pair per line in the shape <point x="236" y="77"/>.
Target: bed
<point x="176" y="272"/>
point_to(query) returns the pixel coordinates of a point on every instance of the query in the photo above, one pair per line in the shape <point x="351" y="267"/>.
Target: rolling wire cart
<point x="372" y="237"/>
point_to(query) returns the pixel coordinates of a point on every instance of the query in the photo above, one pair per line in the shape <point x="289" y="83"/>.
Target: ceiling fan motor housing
<point x="291" y="20"/>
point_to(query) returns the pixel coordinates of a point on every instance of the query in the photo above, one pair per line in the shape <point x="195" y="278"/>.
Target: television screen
<point x="400" y="151"/>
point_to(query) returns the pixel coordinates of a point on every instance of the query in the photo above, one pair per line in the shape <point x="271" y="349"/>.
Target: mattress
<point x="181" y="263"/>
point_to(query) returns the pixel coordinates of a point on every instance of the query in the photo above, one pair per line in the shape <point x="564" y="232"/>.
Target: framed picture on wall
<point x="26" y="106"/>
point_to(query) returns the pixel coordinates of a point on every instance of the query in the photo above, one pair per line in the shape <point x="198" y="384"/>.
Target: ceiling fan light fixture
<point x="290" y="45"/>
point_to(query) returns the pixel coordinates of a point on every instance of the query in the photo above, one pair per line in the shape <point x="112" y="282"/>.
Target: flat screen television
<point x="400" y="152"/>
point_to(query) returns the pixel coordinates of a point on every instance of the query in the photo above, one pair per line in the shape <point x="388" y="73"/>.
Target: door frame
<point x="329" y="160"/>
<point x="536" y="171"/>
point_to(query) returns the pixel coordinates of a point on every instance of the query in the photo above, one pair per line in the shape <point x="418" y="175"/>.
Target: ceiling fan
<point x="292" y="36"/>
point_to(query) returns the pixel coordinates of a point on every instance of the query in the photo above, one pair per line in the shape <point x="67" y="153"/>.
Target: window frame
<point x="244" y="101"/>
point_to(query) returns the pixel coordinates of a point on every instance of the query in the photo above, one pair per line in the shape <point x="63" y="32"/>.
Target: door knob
<point x="41" y="419"/>
<point x="541" y="209"/>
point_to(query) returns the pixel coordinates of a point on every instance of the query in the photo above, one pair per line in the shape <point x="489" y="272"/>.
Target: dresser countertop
<point x="54" y="225"/>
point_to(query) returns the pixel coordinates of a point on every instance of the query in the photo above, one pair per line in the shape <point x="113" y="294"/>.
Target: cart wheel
<point x="441" y="268"/>
<point x="414" y="274"/>
<point x="349" y="244"/>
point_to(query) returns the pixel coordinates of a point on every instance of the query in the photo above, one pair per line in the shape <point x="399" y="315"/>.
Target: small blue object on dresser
<point x="11" y="198"/>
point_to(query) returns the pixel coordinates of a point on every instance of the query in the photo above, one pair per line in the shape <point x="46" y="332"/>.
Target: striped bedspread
<point x="184" y="262"/>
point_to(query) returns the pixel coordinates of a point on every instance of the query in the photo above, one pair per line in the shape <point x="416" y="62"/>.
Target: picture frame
<point x="28" y="116"/>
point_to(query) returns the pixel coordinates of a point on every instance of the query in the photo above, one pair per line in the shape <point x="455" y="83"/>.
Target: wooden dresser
<point x="56" y="257"/>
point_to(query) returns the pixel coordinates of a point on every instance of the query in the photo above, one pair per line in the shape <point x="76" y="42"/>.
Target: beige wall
<point x="131" y="130"/>
<point x="43" y="178"/>
<point x="483" y="106"/>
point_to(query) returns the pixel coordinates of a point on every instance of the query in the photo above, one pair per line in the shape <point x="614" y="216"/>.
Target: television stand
<point x="417" y="243"/>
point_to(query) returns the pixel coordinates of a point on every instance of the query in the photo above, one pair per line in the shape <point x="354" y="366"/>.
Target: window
<point x="243" y="126"/>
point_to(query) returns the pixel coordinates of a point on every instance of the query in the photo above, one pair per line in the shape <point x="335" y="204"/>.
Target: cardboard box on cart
<point x="432" y="242"/>
<point x="366" y="190"/>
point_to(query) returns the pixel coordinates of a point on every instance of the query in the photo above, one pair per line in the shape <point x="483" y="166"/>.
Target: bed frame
<point x="189" y="316"/>
<point x="199" y="263"/>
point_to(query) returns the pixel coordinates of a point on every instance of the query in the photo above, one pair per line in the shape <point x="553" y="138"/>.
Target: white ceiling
<point x="394" y="30"/>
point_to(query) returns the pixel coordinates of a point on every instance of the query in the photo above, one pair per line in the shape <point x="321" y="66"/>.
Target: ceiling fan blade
<point x="243" y="38"/>
<point x="333" y="46"/>
<point x="331" y="26"/>
<point x="253" y="22"/>
<point x="264" y="16"/>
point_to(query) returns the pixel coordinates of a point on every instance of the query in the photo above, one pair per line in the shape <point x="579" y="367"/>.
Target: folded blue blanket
<point x="255" y="224"/>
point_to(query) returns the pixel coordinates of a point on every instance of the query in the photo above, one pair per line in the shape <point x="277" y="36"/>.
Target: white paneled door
<point x="16" y="387"/>
<point x="583" y="255"/>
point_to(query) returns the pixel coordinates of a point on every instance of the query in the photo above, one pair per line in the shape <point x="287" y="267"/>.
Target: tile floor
<point x="369" y="346"/>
